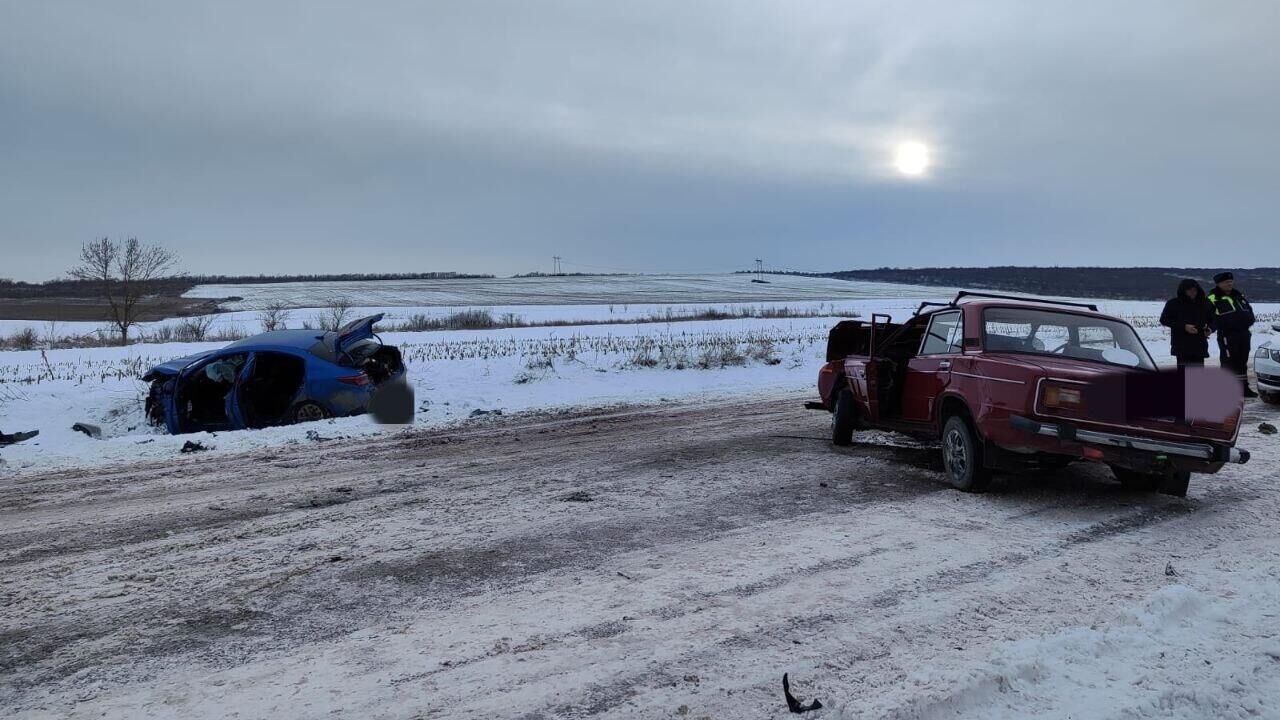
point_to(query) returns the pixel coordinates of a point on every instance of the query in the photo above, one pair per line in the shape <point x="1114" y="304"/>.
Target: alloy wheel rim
<point x="310" y="412"/>
<point x="957" y="457"/>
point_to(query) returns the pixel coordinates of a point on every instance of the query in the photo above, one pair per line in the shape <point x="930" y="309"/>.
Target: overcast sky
<point x="289" y="137"/>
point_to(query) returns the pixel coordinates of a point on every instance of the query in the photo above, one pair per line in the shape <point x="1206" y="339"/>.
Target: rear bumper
<point x="1203" y="451"/>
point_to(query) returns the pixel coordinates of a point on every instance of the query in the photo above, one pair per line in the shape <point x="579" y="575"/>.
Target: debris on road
<point x="1169" y="571"/>
<point x="794" y="705"/>
<point x="1267" y="429"/>
<point x="7" y="439"/>
<point x="92" y="431"/>
<point x="577" y="496"/>
<point x="193" y="447"/>
<point x="481" y="413"/>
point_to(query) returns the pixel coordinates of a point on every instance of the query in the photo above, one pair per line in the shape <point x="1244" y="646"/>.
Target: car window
<point x="1046" y="332"/>
<point x="945" y="334"/>
<point x="1097" y="337"/>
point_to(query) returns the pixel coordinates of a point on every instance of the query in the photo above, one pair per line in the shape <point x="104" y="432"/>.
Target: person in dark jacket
<point x="1189" y="317"/>
<point x="1233" y="316"/>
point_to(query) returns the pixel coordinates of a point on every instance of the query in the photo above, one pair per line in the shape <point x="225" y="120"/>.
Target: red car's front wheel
<point x="843" y="418"/>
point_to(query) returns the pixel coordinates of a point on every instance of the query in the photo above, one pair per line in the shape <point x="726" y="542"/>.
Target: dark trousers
<point x="1233" y="352"/>
<point x="1184" y="361"/>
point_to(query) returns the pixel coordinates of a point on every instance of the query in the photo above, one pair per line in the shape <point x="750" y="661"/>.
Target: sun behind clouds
<point x="911" y="158"/>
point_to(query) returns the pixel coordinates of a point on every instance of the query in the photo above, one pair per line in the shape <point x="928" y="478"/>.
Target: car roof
<point x="300" y="339"/>
<point x="1040" y="306"/>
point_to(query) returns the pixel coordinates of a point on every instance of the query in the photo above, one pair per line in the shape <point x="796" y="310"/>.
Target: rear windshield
<point x="324" y="347"/>
<point x="1061" y="334"/>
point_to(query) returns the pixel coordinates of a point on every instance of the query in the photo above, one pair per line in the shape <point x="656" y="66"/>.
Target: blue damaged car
<point x="276" y="378"/>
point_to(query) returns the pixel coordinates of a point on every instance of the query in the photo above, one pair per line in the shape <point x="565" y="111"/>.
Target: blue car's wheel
<point x="307" y="412"/>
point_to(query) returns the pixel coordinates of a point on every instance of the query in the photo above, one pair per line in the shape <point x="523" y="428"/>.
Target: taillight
<point x="358" y="380"/>
<point x="1060" y="397"/>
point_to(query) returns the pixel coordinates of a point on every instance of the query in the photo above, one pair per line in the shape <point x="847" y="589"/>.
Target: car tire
<point x="962" y="456"/>
<point x="1175" y="483"/>
<point x="307" y="412"/>
<point x="1270" y="398"/>
<point x="1137" y="481"/>
<point x="843" y="418"/>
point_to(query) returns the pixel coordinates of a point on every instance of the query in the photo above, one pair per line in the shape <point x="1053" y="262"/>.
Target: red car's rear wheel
<point x="962" y="456"/>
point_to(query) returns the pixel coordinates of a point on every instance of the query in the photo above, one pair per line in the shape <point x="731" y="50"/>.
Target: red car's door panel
<point x="926" y="378"/>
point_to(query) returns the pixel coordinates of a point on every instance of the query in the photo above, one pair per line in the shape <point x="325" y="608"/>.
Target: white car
<point x="1266" y="363"/>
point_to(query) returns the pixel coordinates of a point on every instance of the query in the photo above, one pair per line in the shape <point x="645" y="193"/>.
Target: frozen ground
<point x="665" y="562"/>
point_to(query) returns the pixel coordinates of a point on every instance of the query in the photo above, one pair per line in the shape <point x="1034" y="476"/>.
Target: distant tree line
<point x="179" y="284"/>
<point x="536" y="274"/>
<point x="1113" y="283"/>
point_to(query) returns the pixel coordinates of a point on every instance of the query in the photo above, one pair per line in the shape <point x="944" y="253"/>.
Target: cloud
<point x="485" y="135"/>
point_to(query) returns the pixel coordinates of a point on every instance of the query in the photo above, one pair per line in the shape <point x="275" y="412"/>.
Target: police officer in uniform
<point x="1233" y="316"/>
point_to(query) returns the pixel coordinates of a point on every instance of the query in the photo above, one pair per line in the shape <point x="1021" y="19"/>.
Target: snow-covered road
<point x="666" y="561"/>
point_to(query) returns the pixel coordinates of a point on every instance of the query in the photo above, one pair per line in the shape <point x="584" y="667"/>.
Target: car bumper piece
<point x="1070" y="433"/>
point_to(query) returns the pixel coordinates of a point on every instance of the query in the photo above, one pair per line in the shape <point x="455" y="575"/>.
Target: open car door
<point x="196" y="404"/>
<point x="872" y="374"/>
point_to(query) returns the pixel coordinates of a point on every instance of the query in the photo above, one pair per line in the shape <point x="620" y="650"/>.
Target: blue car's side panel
<point x="338" y="398"/>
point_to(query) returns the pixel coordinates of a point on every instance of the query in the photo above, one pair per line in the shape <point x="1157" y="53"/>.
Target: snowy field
<point x="458" y="373"/>
<point x="914" y="602"/>
<point x="562" y="290"/>
<point x="609" y="299"/>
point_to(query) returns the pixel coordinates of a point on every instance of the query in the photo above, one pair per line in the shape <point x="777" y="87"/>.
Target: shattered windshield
<point x="1063" y="334"/>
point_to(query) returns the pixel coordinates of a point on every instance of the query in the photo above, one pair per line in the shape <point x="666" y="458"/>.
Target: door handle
<point x="944" y="365"/>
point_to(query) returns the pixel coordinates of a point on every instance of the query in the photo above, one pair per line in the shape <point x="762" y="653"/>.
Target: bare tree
<point x="334" y="315"/>
<point x="124" y="273"/>
<point x="275" y="316"/>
